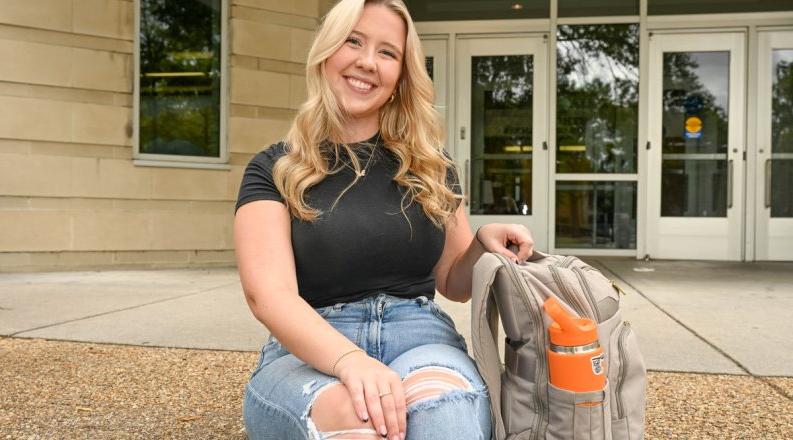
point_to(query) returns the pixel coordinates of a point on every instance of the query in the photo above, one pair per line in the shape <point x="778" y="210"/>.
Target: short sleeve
<point x="257" y="181"/>
<point x="453" y="180"/>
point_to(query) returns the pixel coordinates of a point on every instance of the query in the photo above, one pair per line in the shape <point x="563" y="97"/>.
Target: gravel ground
<point x="55" y="389"/>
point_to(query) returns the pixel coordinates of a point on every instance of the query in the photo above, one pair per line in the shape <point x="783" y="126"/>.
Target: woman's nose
<point x="366" y="61"/>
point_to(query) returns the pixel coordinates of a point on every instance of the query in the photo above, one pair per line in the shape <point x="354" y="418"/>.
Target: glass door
<point x="775" y="147"/>
<point x="501" y="131"/>
<point x="695" y="173"/>
<point x="435" y="61"/>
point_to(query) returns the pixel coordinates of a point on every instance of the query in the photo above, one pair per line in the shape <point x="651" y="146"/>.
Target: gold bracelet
<point x="476" y="235"/>
<point x="333" y="368"/>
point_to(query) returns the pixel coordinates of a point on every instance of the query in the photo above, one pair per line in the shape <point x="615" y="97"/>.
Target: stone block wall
<point x="70" y="196"/>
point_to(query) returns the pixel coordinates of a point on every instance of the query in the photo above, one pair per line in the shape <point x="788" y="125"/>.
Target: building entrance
<point x="696" y="149"/>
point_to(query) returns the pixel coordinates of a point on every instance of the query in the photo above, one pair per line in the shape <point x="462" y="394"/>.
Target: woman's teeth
<point x="359" y="84"/>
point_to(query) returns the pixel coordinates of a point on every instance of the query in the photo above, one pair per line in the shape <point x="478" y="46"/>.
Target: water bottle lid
<point x="567" y="330"/>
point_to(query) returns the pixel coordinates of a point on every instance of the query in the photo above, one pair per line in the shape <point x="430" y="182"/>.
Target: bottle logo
<point x="598" y="364"/>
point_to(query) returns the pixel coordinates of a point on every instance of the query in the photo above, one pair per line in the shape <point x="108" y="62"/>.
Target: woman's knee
<point x="333" y="414"/>
<point x="432" y="382"/>
<point x="443" y="403"/>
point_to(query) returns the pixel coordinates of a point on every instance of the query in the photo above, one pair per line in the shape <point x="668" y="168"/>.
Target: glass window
<point x="672" y="7"/>
<point x="596" y="215"/>
<point x="180" y="77"/>
<point x="782" y="134"/>
<point x="694" y="134"/>
<point x="429" y="62"/>
<point x="597" y="98"/>
<point x="439" y="10"/>
<point x="502" y="97"/>
<point x="597" y="8"/>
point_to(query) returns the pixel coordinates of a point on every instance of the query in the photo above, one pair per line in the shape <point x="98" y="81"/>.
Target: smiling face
<point x="364" y="71"/>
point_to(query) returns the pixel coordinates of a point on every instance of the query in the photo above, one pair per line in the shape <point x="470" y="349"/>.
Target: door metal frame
<point x="539" y="133"/>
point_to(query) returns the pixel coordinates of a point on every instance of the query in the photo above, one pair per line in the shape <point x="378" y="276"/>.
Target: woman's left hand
<point x="497" y="237"/>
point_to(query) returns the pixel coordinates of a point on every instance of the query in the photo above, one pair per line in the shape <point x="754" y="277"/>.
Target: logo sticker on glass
<point x="693" y="127"/>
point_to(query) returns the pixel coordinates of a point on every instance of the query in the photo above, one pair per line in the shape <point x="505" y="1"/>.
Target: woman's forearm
<point x="301" y="330"/>
<point x="459" y="280"/>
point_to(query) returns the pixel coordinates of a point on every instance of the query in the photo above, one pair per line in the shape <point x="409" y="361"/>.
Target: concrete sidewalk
<point x="689" y="316"/>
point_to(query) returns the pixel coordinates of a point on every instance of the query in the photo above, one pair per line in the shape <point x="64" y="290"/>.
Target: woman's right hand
<point x="366" y="378"/>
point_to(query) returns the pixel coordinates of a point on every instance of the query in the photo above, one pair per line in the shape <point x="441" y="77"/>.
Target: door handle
<point x="466" y="181"/>
<point x="768" y="183"/>
<point x="729" y="184"/>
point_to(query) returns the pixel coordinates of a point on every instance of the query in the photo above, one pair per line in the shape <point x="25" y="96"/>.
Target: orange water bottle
<point x="575" y="357"/>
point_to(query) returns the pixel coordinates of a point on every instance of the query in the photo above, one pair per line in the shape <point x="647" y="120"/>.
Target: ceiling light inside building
<point x="517" y="6"/>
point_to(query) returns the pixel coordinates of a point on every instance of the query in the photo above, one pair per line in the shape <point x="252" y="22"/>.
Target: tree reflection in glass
<point x="695" y="134"/>
<point x="597" y="101"/>
<point x="180" y="77"/>
<point x="501" y="134"/>
<point x="782" y="134"/>
<point x="596" y="215"/>
<point x="597" y="98"/>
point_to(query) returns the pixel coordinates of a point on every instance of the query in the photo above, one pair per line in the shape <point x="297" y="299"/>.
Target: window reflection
<point x="597" y="98"/>
<point x="501" y="134"/>
<point x="596" y="215"/>
<point x="429" y="63"/>
<point x="694" y="134"/>
<point x="180" y="77"/>
<point x="782" y="134"/>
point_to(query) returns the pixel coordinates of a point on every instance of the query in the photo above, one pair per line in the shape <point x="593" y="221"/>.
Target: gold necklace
<point x="363" y="171"/>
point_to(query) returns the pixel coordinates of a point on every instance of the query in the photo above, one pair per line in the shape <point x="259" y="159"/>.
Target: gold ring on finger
<point x="385" y="394"/>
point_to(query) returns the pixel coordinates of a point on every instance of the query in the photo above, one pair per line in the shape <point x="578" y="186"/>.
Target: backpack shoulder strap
<point x="484" y="331"/>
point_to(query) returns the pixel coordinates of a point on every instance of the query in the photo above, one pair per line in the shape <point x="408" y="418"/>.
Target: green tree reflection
<point x="685" y="95"/>
<point x="782" y="135"/>
<point x="180" y="77"/>
<point x="597" y="98"/>
<point x="782" y="103"/>
<point x="501" y="134"/>
<point x="695" y="87"/>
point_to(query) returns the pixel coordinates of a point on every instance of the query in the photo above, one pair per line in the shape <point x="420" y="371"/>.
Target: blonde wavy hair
<point x="410" y="126"/>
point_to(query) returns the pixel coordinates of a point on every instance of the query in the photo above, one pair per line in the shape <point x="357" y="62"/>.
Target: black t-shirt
<point x="364" y="246"/>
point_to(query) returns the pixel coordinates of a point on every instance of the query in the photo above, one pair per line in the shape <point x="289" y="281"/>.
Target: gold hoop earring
<point x="392" y="98"/>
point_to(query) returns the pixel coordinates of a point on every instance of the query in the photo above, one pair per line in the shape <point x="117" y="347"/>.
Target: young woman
<point x="343" y="233"/>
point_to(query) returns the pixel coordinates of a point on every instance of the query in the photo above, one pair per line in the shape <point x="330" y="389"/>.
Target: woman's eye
<point x="391" y="54"/>
<point x="354" y="40"/>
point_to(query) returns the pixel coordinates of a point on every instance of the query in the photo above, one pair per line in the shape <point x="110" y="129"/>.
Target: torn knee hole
<point x="430" y="382"/>
<point x="333" y="414"/>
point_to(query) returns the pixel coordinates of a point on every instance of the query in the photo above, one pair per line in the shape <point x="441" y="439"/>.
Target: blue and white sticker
<point x="598" y="364"/>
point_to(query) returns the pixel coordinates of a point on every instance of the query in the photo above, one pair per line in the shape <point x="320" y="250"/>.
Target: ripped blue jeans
<point x="405" y="334"/>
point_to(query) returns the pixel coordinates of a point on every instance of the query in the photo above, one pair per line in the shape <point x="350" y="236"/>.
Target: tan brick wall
<point x="70" y="196"/>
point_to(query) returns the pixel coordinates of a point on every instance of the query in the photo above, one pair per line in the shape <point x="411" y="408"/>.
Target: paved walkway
<point x="689" y="316"/>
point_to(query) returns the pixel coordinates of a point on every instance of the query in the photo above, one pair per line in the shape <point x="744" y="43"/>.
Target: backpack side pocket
<point x="627" y="376"/>
<point x="519" y="392"/>
<point x="580" y="416"/>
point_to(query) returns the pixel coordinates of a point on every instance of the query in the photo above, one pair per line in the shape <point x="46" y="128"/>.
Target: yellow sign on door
<point x="693" y="127"/>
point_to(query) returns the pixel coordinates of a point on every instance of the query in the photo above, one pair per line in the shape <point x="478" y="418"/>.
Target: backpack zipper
<point x="617" y="288"/>
<point x="541" y="375"/>
<point x="626" y="328"/>
<point x="588" y="293"/>
<point x="572" y="300"/>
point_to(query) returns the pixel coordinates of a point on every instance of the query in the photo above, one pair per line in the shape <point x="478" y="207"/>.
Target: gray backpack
<point x="524" y="404"/>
